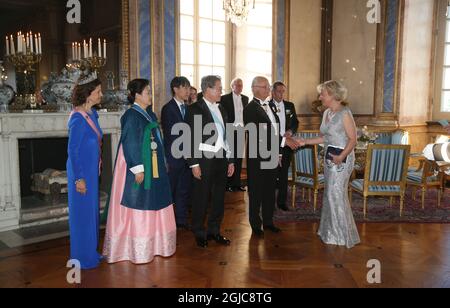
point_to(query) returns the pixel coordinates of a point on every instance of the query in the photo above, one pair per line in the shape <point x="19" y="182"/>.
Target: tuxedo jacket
<point x="228" y="103"/>
<point x="254" y="113"/>
<point x="201" y="109"/>
<point x="292" y="122"/>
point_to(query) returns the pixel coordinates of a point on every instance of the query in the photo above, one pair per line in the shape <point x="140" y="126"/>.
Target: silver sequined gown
<point x="337" y="225"/>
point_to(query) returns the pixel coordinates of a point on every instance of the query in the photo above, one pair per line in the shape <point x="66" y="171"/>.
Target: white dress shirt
<point x="221" y="143"/>
<point x="179" y="105"/>
<point x="238" y="110"/>
<point x="265" y="105"/>
<point x="282" y="116"/>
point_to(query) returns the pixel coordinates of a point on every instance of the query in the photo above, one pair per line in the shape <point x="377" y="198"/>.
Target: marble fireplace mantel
<point x="14" y="127"/>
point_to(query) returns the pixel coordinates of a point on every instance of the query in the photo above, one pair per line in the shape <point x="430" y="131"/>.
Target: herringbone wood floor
<point x="411" y="255"/>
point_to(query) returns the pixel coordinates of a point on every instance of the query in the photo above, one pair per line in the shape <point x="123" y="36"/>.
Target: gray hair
<point x="234" y="81"/>
<point x="335" y="89"/>
<point x="259" y="79"/>
<point x="209" y="82"/>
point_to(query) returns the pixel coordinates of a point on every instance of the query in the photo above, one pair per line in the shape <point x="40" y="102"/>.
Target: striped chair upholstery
<point x="385" y="174"/>
<point x="306" y="171"/>
<point x="397" y="137"/>
<point x="426" y="176"/>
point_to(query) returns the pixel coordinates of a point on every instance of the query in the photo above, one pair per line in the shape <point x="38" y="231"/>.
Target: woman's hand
<point x="81" y="187"/>
<point x="337" y="160"/>
<point x="140" y="178"/>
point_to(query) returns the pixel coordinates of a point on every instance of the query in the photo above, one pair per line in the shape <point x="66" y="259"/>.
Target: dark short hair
<point x="278" y="84"/>
<point x="194" y="88"/>
<point x="81" y="93"/>
<point x="209" y="82"/>
<point x="136" y="86"/>
<point x="179" y="82"/>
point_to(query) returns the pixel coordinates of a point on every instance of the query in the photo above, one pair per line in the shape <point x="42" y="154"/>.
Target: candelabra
<point x="25" y="58"/>
<point x="94" y="63"/>
<point x="86" y="57"/>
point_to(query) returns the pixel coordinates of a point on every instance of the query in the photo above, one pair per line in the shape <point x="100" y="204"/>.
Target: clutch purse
<point x="336" y="151"/>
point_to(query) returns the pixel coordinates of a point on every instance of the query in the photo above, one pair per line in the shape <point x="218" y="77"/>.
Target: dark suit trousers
<point x="283" y="176"/>
<point x="261" y="189"/>
<point x="210" y="189"/>
<point x="181" y="183"/>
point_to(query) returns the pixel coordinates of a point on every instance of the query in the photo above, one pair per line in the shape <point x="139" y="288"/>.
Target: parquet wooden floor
<point x="411" y="255"/>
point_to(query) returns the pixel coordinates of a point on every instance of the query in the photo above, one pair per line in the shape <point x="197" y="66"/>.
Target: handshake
<point x="295" y="143"/>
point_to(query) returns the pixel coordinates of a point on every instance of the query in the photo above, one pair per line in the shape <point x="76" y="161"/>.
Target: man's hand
<point x="288" y="134"/>
<point x="139" y="178"/>
<point x="292" y="143"/>
<point x="231" y="170"/>
<point x="197" y="172"/>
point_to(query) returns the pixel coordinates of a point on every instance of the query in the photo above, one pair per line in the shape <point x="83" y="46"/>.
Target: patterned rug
<point x="379" y="210"/>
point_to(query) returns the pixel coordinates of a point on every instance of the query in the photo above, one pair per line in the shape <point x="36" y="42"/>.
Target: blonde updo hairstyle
<point x="336" y="89"/>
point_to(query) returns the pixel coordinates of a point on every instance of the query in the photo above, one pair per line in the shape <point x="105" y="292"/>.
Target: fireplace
<point x="30" y="144"/>
<point x="43" y="154"/>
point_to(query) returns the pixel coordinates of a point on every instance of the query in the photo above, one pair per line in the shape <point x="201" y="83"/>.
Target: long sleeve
<point x="77" y="131"/>
<point x="132" y="136"/>
<point x="192" y="161"/>
<point x="295" y="122"/>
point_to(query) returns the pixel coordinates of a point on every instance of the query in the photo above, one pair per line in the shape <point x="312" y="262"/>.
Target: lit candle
<point x="36" y="43"/>
<point x="24" y="44"/>
<point x="40" y="44"/>
<point x="90" y="48"/>
<point x="99" y="48"/>
<point x="31" y="42"/>
<point x="79" y="52"/>
<point x="13" y="48"/>
<point x="84" y="49"/>
<point x="104" y="49"/>
<point x="7" y="46"/>
<point x="19" y="41"/>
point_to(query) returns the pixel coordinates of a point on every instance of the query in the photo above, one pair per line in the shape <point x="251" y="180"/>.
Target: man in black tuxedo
<point x="209" y="163"/>
<point x="262" y="179"/>
<point x="288" y="127"/>
<point x="173" y="113"/>
<point x="235" y="103"/>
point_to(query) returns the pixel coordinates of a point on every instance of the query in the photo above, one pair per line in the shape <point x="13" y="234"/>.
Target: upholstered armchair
<point x="385" y="174"/>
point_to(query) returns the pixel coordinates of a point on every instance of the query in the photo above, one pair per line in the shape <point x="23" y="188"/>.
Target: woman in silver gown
<point x="338" y="130"/>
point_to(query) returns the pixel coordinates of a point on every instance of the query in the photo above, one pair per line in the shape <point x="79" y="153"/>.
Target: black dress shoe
<point x="283" y="208"/>
<point x="219" y="239"/>
<point x="242" y="189"/>
<point x="272" y="228"/>
<point x="202" y="243"/>
<point x="258" y="232"/>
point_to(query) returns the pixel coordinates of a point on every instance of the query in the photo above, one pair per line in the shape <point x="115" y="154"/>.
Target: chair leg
<point x="402" y="200"/>
<point x="294" y="191"/>
<point x="303" y="194"/>
<point x="414" y="193"/>
<point x="309" y="195"/>
<point x="439" y="197"/>
<point x="350" y="197"/>
<point x="391" y="201"/>
<point x="365" y="208"/>
<point x="424" y="191"/>
<point x="316" y="194"/>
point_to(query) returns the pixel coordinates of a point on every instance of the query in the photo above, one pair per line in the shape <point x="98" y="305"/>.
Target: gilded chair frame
<point x="316" y="186"/>
<point x="429" y="168"/>
<point x="367" y="183"/>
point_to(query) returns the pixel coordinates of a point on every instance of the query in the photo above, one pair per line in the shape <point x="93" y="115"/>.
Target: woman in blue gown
<point x="83" y="170"/>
